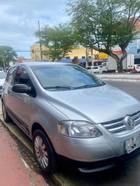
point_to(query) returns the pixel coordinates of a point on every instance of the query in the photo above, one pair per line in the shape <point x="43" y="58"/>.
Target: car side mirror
<point x="21" y="88"/>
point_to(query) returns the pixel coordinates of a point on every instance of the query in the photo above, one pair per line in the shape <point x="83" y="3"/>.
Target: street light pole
<point x="40" y="43"/>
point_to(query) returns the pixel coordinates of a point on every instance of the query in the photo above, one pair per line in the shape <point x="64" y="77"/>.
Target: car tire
<point x="44" y="152"/>
<point x="5" y="114"/>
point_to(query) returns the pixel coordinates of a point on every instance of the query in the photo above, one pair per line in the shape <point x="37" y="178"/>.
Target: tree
<point x="59" y="41"/>
<point x="104" y="24"/>
<point x="7" y="54"/>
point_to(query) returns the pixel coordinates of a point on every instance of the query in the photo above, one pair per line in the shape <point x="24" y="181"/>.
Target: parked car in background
<point x="2" y="80"/>
<point x="137" y="68"/>
<point x="97" y="69"/>
<point x="70" y="114"/>
<point x="133" y="63"/>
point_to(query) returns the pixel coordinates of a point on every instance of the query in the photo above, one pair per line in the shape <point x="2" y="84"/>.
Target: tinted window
<point x="137" y="61"/>
<point x="65" y="77"/>
<point x="22" y="77"/>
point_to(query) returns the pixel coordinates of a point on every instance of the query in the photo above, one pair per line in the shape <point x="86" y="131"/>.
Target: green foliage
<point x="103" y="24"/>
<point x="7" y="54"/>
<point x="59" y="40"/>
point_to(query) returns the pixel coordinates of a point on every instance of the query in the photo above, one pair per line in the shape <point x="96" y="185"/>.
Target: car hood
<point x="98" y="104"/>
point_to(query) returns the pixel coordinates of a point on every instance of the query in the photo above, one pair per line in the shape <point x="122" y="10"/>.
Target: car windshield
<point x="65" y="77"/>
<point x="2" y="75"/>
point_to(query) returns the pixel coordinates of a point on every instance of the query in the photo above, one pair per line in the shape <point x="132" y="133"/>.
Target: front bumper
<point x="102" y="148"/>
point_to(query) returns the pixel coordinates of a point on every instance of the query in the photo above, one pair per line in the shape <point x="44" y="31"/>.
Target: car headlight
<point x="79" y="129"/>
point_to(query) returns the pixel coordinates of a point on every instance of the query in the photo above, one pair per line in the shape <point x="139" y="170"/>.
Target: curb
<point x="119" y="77"/>
<point x="55" y="180"/>
<point x="121" y="80"/>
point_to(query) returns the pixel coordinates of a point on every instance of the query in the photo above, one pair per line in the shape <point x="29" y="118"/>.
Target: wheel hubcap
<point x="41" y="152"/>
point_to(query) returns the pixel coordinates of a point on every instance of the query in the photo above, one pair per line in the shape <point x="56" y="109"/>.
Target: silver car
<point x="69" y="114"/>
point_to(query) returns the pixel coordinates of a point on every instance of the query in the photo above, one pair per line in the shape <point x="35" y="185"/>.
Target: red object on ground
<point x="13" y="172"/>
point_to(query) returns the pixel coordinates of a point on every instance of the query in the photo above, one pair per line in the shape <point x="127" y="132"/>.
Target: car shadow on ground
<point x="123" y="174"/>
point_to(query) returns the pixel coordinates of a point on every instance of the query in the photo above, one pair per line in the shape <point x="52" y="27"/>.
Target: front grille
<point x="118" y="125"/>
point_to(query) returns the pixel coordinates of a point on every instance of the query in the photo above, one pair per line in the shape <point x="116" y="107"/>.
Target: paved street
<point x="132" y="88"/>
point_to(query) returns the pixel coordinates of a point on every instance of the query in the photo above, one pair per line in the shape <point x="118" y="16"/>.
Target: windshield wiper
<point x="59" y="87"/>
<point x="85" y="86"/>
<point x="90" y="86"/>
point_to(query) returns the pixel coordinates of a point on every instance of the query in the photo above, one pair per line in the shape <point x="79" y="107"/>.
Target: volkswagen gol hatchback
<point x="69" y="113"/>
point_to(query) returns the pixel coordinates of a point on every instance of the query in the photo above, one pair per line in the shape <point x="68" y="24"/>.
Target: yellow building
<point x="80" y="52"/>
<point x="36" y="54"/>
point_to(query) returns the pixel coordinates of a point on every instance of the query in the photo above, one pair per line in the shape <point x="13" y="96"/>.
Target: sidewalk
<point x="13" y="170"/>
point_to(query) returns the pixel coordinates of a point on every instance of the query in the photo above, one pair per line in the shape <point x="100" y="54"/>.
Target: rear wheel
<point x="6" y="116"/>
<point x="44" y="152"/>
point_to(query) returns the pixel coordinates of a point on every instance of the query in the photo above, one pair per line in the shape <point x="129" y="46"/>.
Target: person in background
<point x="76" y="61"/>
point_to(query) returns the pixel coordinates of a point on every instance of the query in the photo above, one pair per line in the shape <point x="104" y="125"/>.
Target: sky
<point x="19" y="21"/>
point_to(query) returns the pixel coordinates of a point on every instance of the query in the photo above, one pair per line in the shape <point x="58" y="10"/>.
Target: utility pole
<point x="40" y="43"/>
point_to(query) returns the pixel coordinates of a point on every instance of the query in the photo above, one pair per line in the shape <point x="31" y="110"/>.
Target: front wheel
<point x="43" y="151"/>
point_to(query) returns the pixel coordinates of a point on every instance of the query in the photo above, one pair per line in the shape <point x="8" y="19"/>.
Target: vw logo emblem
<point x="129" y="122"/>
